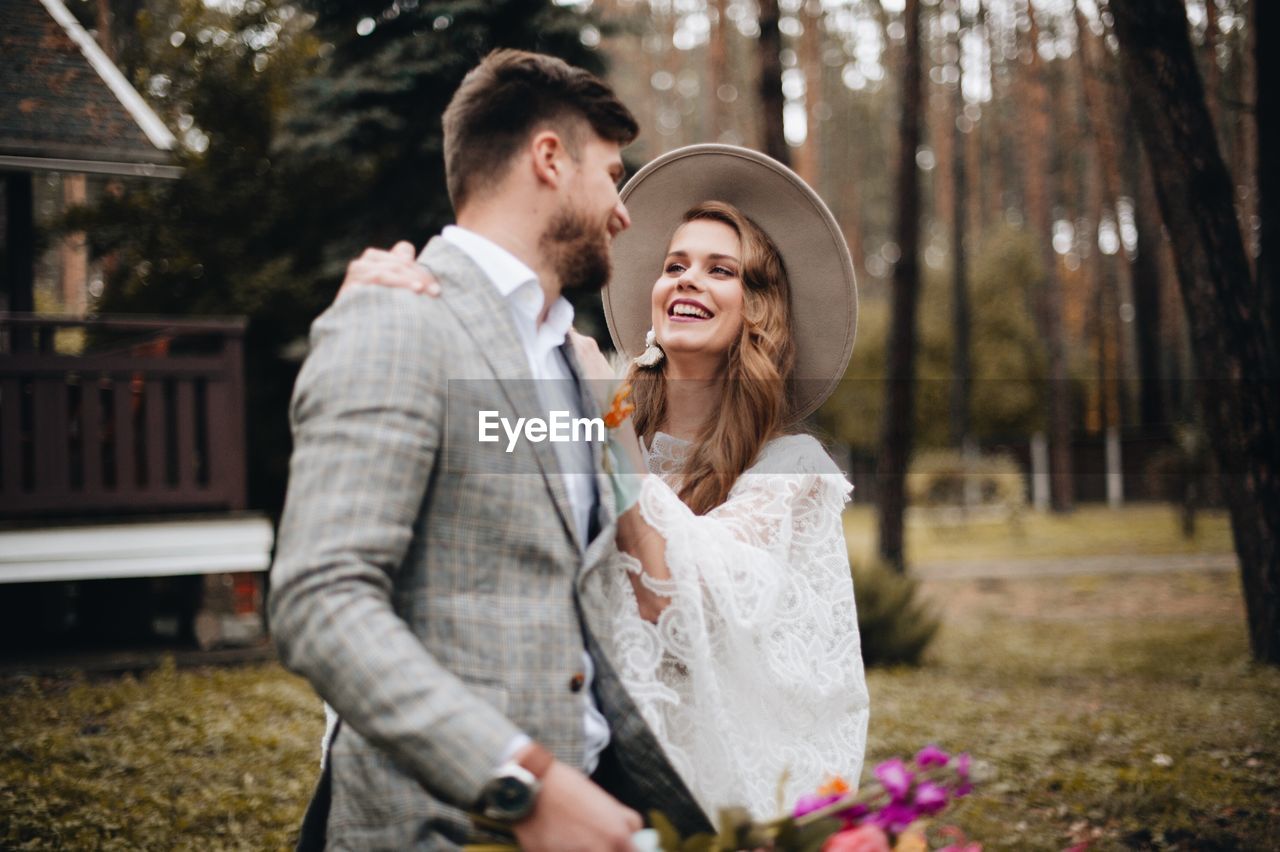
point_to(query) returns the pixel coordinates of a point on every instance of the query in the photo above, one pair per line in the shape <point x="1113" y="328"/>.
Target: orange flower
<point x="834" y="786"/>
<point x="621" y="407"/>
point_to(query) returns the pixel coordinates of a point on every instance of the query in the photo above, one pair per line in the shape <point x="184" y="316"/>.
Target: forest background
<point x="988" y="161"/>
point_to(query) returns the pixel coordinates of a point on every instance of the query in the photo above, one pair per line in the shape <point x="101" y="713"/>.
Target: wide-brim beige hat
<point x="824" y="293"/>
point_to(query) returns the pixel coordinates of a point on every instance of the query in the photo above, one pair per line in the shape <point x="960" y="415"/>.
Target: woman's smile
<point x="689" y="310"/>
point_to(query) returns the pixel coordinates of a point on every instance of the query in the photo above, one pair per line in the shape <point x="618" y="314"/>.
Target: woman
<point x="728" y="608"/>
<point x="731" y="612"/>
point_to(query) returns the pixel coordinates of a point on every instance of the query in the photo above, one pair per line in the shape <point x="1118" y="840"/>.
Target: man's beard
<point x="577" y="251"/>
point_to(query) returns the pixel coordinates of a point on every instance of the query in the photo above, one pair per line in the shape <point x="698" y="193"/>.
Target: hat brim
<point x="824" y="294"/>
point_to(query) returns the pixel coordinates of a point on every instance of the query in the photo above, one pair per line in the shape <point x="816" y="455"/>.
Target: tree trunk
<point x="1247" y="154"/>
<point x="808" y="162"/>
<point x="717" y="71"/>
<point x="1213" y="73"/>
<point x="1266" y="112"/>
<point x="1102" y="125"/>
<point x="771" y="97"/>
<point x="1036" y="139"/>
<point x="960" y="378"/>
<point x="896" y="432"/>
<point x="993" y="133"/>
<point x="1153" y="412"/>
<point x="1238" y="363"/>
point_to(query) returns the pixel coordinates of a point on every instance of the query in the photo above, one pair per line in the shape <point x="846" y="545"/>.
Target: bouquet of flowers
<point x="886" y="815"/>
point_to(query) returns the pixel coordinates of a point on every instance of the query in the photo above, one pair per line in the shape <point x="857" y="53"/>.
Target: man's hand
<point x="574" y="815"/>
<point x="395" y="268"/>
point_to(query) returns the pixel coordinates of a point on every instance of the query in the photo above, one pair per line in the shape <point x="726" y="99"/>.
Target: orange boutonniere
<point x="621" y="407"/>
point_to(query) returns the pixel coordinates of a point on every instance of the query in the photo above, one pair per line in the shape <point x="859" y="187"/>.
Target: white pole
<point x="972" y="489"/>
<point x="1115" y="476"/>
<point x="1040" y="472"/>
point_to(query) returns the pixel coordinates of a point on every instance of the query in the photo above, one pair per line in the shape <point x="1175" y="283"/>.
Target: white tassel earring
<point x="652" y="353"/>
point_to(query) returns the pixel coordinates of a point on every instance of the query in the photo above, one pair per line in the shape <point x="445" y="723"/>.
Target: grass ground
<point x="185" y="759"/>
<point x="1138" y="529"/>
<point x="1119" y="711"/>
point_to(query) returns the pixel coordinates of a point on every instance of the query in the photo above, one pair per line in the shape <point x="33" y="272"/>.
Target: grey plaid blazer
<point x="426" y="583"/>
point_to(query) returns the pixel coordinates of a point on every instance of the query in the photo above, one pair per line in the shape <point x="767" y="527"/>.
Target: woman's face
<point x="697" y="303"/>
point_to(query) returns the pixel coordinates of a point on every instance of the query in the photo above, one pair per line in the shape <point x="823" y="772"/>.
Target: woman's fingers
<point x="395" y="268"/>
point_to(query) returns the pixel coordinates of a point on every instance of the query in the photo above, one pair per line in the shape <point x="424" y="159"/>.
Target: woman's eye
<point x="720" y="270"/>
<point x="674" y="268"/>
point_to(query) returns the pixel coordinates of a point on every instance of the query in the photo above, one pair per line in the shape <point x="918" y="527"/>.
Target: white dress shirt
<point x="519" y="287"/>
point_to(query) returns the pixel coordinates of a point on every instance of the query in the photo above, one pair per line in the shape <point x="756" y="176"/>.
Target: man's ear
<point x="549" y="154"/>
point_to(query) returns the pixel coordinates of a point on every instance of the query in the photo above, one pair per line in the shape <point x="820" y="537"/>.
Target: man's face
<point x="578" y="236"/>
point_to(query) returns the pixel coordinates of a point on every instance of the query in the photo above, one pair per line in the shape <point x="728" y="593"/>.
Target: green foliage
<point x="1007" y="357"/>
<point x="1009" y="360"/>
<point x="895" y="626"/>
<point x="807" y="838"/>
<point x="739" y="831"/>
<point x="373" y="112"/>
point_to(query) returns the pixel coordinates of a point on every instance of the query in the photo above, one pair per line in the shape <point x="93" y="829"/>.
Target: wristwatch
<point x="509" y="796"/>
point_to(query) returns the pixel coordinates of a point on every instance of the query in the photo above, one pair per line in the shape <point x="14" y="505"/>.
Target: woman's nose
<point x="620" y="220"/>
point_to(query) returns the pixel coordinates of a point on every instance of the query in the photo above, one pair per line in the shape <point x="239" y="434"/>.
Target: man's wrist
<point x="512" y="792"/>
<point x="534" y="758"/>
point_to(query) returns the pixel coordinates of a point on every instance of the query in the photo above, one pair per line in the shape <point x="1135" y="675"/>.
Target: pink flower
<point x="895" y="778"/>
<point x="854" y="815"/>
<point x="962" y="765"/>
<point x="894" y="817"/>
<point x="930" y="797"/>
<point x="931" y="755"/>
<point x="811" y="802"/>
<point x="867" y="838"/>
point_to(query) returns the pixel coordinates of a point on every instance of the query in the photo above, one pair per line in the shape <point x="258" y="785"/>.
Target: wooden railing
<point x="147" y="417"/>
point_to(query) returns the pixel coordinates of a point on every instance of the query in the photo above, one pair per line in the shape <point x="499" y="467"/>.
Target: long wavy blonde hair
<point x="754" y="405"/>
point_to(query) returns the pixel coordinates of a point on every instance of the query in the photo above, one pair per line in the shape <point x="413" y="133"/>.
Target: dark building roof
<point x="64" y="106"/>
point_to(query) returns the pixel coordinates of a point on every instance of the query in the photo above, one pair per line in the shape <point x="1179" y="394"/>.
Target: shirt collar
<point x="504" y="269"/>
<point x="514" y="280"/>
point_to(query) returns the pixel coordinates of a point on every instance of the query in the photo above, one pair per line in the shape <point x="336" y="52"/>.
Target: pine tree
<point x="373" y="112"/>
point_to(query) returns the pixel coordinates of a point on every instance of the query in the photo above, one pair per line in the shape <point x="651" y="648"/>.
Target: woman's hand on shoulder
<point x="595" y="368"/>
<point x="395" y="268"/>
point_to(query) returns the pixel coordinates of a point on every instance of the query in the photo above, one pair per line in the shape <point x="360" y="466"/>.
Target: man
<point x="424" y="582"/>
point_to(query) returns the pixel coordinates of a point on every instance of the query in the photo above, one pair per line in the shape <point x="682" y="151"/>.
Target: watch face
<point x="508" y="798"/>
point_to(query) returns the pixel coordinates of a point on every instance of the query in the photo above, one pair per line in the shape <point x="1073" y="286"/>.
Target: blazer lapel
<point x="605" y="509"/>
<point x="484" y="315"/>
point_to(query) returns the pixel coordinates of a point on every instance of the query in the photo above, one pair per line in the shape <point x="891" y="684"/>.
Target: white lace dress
<point x="752" y="677"/>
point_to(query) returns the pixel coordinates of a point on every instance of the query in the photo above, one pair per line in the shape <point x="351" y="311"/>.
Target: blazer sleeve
<point x="367" y="418"/>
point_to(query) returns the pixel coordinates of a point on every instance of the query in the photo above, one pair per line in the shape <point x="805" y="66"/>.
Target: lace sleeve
<point x="754" y="669"/>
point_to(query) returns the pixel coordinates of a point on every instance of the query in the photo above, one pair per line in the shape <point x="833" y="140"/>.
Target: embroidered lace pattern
<point x="752" y="677"/>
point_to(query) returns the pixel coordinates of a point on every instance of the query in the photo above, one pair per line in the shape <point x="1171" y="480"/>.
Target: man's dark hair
<point x="508" y="96"/>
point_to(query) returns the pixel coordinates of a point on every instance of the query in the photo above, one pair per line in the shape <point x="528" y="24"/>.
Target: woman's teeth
<point x="686" y="310"/>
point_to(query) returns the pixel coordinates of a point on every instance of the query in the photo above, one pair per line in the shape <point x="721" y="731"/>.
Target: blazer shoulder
<point x="371" y="308"/>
